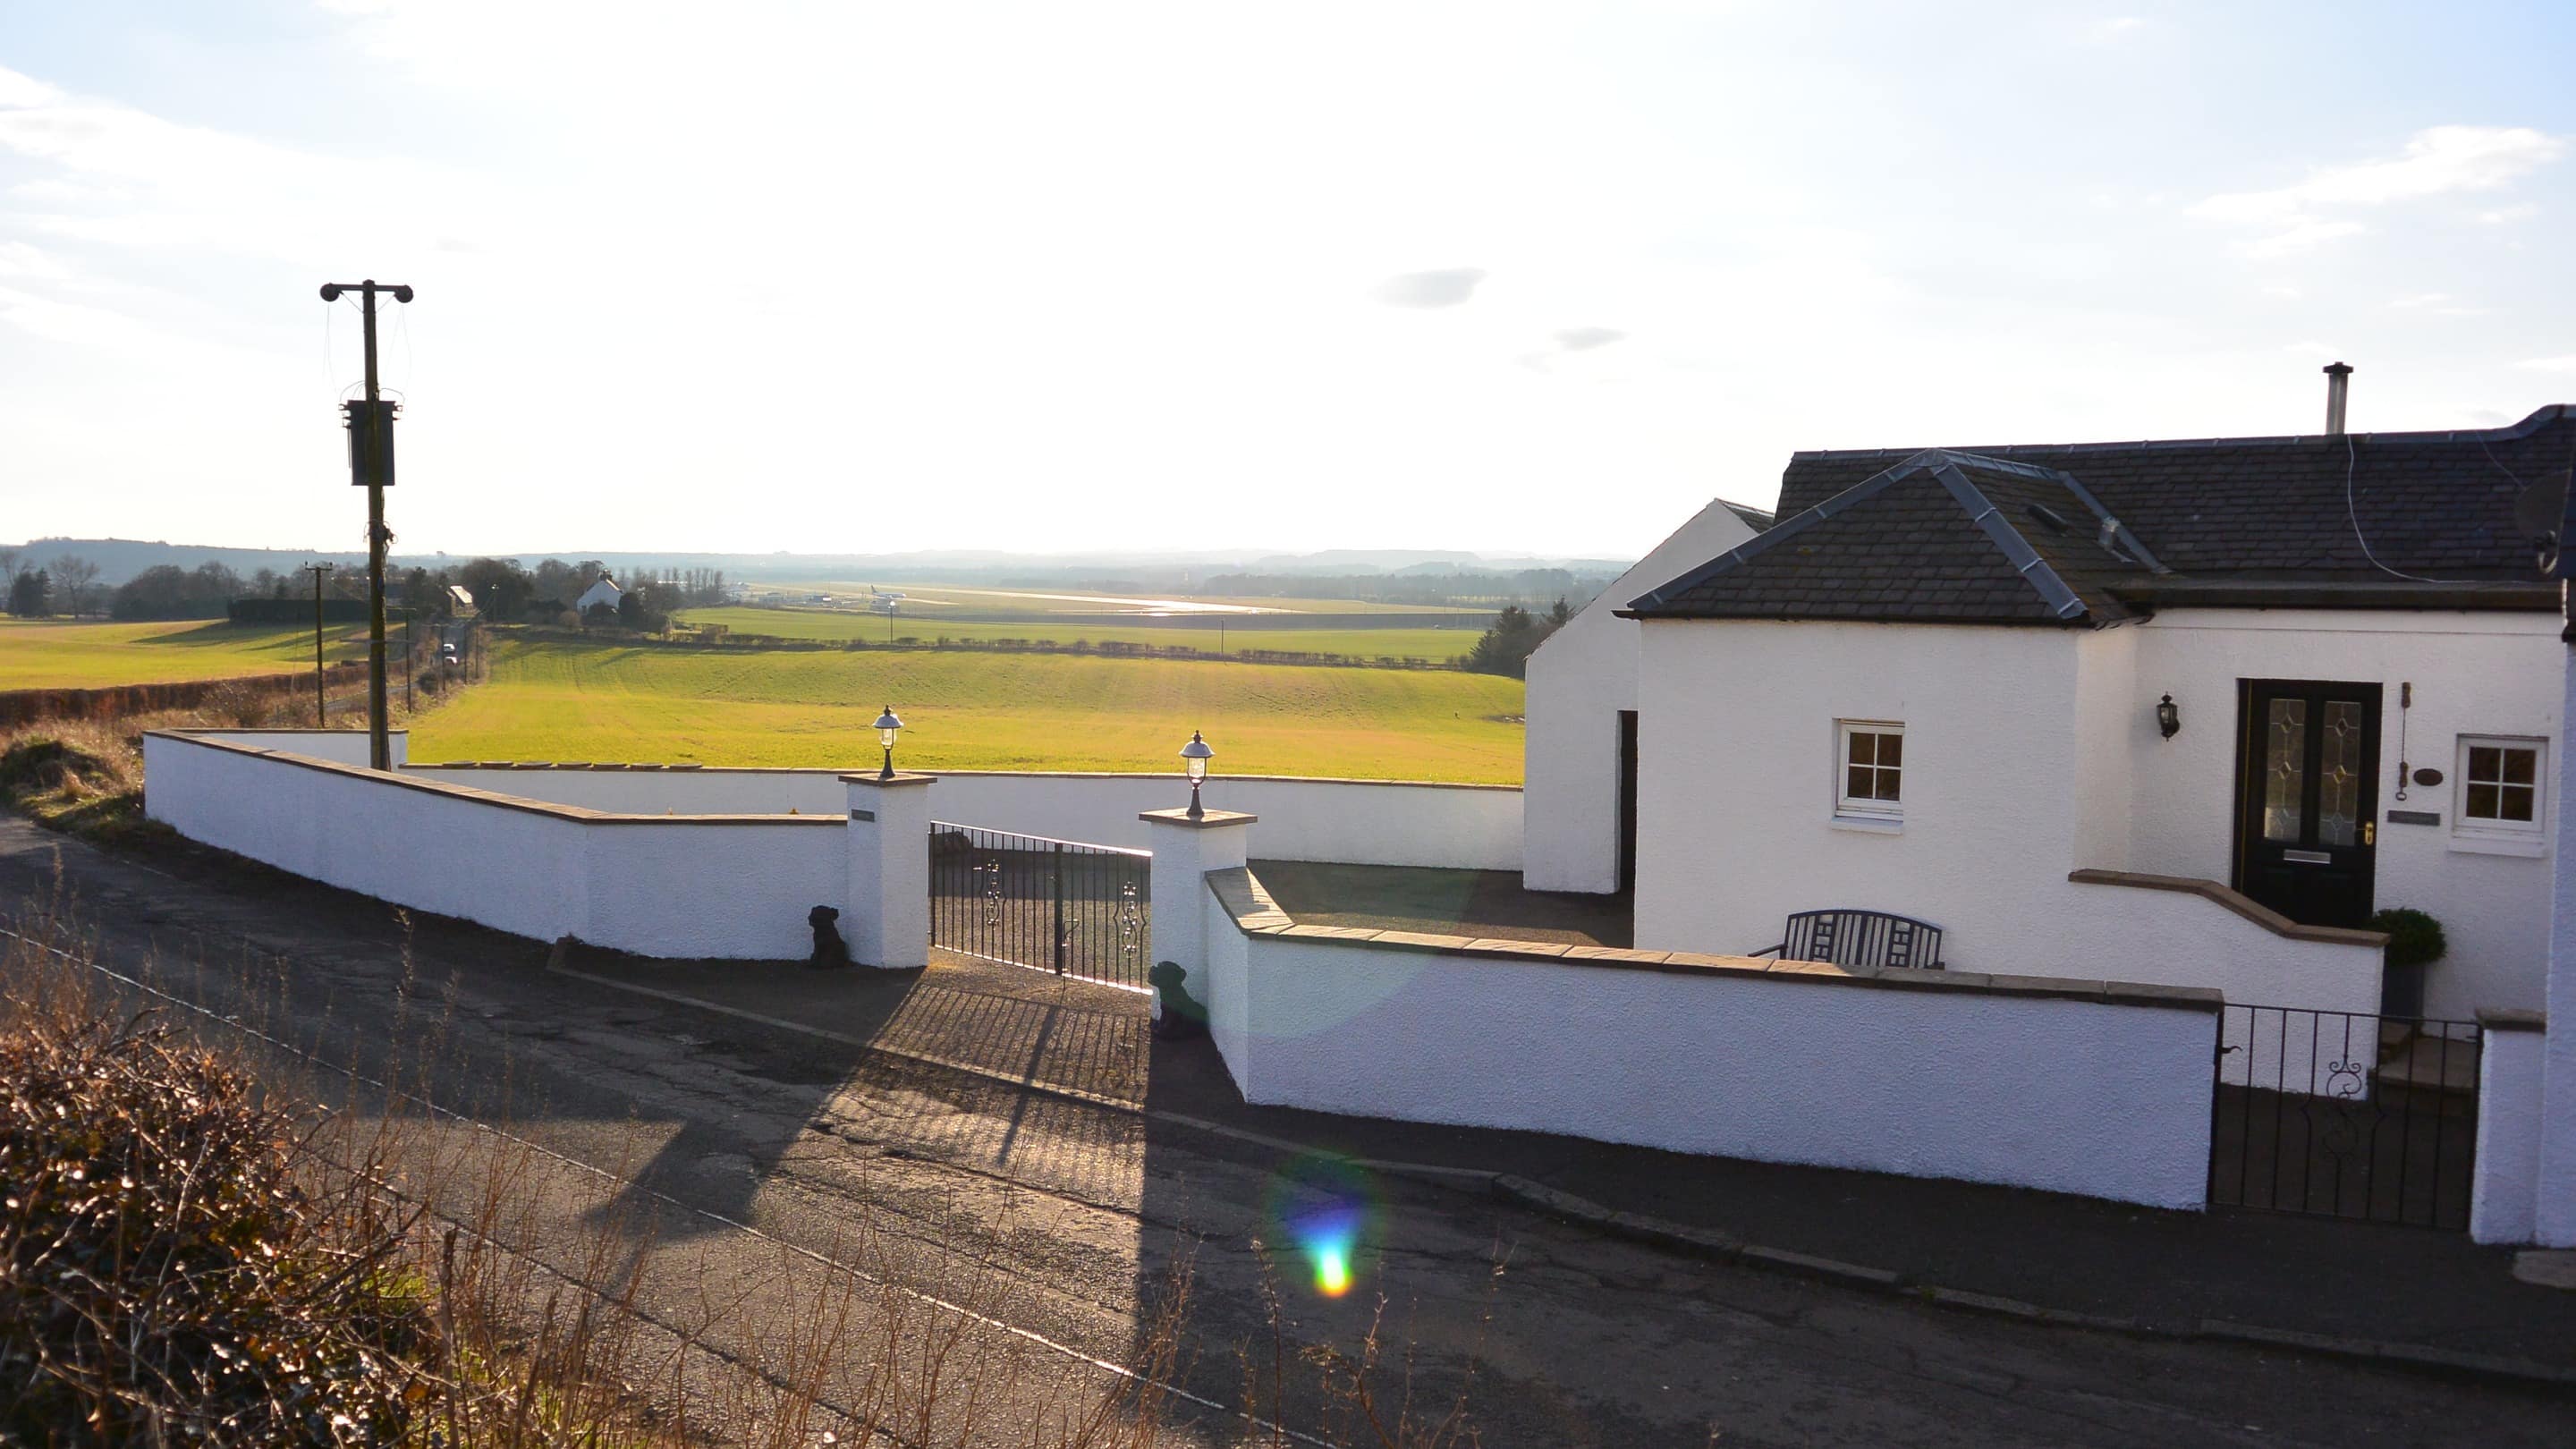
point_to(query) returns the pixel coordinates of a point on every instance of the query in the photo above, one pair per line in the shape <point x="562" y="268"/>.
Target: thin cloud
<point x="1584" y="339"/>
<point x="2439" y="304"/>
<point x="1566" y="341"/>
<point x="17" y="259"/>
<point x="2114" y="29"/>
<point x="2441" y="161"/>
<point x="1444" y="288"/>
<point x="2300" y="238"/>
<point x="2550" y="364"/>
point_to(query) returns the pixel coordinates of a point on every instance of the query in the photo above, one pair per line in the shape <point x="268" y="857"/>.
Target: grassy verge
<point x="565" y="701"/>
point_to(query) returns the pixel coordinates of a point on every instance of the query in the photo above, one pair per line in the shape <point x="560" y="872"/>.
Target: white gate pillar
<point x="1185" y="849"/>
<point x="887" y="915"/>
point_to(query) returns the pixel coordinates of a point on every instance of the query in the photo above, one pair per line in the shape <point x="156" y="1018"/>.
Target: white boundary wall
<point x="2064" y="1086"/>
<point x="342" y="747"/>
<point x="730" y="886"/>
<point x="1358" y="822"/>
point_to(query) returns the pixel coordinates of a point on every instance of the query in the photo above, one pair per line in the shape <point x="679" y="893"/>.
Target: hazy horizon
<point x="1519" y="280"/>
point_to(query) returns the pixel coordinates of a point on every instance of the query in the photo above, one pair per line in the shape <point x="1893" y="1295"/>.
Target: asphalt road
<point x="763" y="1186"/>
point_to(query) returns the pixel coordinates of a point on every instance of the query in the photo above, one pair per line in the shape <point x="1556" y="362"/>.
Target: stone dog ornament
<point x="1183" y="1015"/>
<point x="829" y="949"/>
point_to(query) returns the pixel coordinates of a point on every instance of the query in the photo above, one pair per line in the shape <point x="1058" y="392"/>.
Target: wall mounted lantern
<point x="887" y="725"/>
<point x="1194" y="758"/>
<point x="2169" y="717"/>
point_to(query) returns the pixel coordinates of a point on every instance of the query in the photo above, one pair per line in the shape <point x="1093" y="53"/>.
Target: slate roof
<point x="1946" y="535"/>
<point x="1754" y="518"/>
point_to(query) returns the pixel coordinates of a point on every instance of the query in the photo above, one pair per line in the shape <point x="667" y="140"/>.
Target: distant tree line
<point x="166" y="591"/>
<point x="546" y="594"/>
<point x="501" y="589"/>
<point x="1524" y="586"/>
<point x="1516" y="634"/>
<point x="36" y="590"/>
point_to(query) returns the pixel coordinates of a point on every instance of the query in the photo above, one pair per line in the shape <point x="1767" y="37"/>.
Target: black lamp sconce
<point x="2169" y="717"/>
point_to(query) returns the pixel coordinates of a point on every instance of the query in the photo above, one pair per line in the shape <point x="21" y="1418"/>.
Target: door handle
<point x="2370" y="832"/>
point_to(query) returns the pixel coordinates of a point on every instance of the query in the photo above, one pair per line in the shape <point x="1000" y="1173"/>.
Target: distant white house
<point x="1937" y="685"/>
<point x="603" y="592"/>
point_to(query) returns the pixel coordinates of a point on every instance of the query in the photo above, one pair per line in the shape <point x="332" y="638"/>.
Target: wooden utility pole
<point x="321" y="698"/>
<point x="371" y="466"/>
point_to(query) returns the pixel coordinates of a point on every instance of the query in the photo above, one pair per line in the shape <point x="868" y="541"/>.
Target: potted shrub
<point x="2414" y="943"/>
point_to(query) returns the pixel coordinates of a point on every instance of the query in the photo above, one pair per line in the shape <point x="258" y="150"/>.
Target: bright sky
<point x="859" y="277"/>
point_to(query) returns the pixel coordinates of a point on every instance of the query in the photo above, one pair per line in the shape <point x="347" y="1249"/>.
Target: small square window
<point x="2499" y="786"/>
<point x="1872" y="767"/>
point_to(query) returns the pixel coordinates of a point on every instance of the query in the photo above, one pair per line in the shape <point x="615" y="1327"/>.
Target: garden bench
<point x="1853" y="938"/>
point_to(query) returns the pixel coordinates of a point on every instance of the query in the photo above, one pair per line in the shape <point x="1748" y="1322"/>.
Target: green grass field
<point x="60" y="654"/>
<point x="560" y="701"/>
<point x="1427" y="643"/>
<point x="935" y="598"/>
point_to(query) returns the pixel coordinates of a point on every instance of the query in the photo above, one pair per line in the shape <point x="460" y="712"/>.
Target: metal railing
<point x="1052" y="905"/>
<point x="2345" y="1114"/>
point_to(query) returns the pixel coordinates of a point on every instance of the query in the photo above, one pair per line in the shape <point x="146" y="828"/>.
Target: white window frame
<point x="1876" y="812"/>
<point x="2507" y="837"/>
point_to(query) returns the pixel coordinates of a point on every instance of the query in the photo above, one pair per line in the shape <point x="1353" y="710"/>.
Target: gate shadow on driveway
<point x="1005" y="1027"/>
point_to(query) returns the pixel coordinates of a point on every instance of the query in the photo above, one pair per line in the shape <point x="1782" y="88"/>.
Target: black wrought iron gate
<point x="2345" y="1114"/>
<point x="1053" y="905"/>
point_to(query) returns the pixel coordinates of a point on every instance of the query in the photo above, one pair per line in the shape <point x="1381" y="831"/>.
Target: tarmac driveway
<point x="749" y="1160"/>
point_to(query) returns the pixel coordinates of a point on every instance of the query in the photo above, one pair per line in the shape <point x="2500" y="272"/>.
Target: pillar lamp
<point x="887" y="725"/>
<point x="1194" y="758"/>
<point x="2169" y="717"/>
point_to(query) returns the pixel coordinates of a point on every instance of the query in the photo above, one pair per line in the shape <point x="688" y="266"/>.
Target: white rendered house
<point x="1934" y="688"/>
<point x="603" y="592"/>
<point x="1579" y="799"/>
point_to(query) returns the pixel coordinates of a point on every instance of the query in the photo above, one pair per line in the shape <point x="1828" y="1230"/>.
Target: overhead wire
<point x="2352" y="511"/>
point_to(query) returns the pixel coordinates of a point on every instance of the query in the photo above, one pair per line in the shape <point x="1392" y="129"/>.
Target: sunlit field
<point x="1200" y="632"/>
<point x="568" y="701"/>
<point x="59" y="654"/>
<point x="997" y="598"/>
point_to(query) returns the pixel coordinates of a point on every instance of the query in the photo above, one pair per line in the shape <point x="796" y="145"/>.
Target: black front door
<point x="1627" y="800"/>
<point x="2307" y="772"/>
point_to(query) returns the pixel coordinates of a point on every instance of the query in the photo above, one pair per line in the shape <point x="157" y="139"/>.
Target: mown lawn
<point x="1198" y="633"/>
<point x="564" y="701"/>
<point x="61" y="654"/>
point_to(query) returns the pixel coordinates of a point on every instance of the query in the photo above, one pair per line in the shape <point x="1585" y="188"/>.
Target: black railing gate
<point x="1051" y="905"/>
<point x="2345" y="1114"/>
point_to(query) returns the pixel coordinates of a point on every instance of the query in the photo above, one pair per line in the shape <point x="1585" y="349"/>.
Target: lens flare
<point x="1328" y="1238"/>
<point x="1324" y="1207"/>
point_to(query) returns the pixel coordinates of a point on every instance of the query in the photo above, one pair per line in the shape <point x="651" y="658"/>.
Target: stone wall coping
<point x="390" y="730"/>
<point x="1204" y="820"/>
<point x="2233" y="900"/>
<point x="887" y="782"/>
<point x="1256" y="913"/>
<point x="979" y="774"/>
<point x="2512" y="1018"/>
<point x="394" y="779"/>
